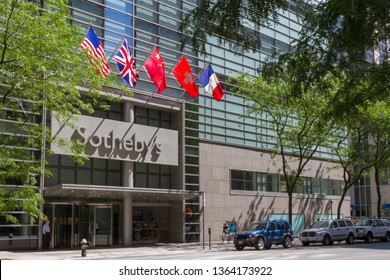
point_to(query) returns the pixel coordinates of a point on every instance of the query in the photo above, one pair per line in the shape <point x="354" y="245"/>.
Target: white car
<point x="328" y="231"/>
<point x="369" y="229"/>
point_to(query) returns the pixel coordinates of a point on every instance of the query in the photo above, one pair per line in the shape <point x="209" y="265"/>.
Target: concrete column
<point x="128" y="166"/>
<point x="127" y="176"/>
<point x="127" y="221"/>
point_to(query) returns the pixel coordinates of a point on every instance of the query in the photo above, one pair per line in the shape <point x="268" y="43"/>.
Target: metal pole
<point x="43" y="159"/>
<point x="203" y="209"/>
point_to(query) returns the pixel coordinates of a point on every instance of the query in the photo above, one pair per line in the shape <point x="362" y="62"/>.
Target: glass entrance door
<point x="84" y="224"/>
<point x="62" y="226"/>
<point x="103" y="226"/>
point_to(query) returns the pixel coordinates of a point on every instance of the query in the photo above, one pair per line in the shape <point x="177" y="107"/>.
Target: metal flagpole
<point x="170" y="72"/>
<point x="150" y="97"/>
<point x="142" y="64"/>
<point x="43" y="159"/>
<point x="147" y="101"/>
<point x="117" y="47"/>
<point x="86" y="30"/>
<point x="180" y="96"/>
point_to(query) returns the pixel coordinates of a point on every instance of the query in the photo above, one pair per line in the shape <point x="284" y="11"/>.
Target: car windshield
<point x="364" y="223"/>
<point x="320" y="224"/>
<point x="258" y="226"/>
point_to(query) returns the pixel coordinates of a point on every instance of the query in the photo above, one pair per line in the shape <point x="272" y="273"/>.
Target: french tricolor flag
<point x="210" y="82"/>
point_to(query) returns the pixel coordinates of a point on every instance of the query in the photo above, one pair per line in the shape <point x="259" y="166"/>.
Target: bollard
<point x="84" y="246"/>
<point x="10" y="236"/>
<point x="209" y="238"/>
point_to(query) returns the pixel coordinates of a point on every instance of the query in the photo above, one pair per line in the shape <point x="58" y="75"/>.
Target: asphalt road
<point x="338" y="251"/>
<point x="191" y="261"/>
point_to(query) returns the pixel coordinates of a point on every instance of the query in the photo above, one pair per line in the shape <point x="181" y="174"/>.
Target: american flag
<point x="126" y="64"/>
<point x="95" y="51"/>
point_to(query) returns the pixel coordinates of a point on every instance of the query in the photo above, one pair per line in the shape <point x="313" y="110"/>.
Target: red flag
<point x="183" y="73"/>
<point x="155" y="68"/>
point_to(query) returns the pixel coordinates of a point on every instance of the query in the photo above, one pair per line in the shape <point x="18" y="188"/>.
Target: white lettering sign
<point x="117" y="140"/>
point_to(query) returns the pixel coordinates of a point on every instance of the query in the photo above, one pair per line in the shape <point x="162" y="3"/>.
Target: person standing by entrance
<point x="46" y="235"/>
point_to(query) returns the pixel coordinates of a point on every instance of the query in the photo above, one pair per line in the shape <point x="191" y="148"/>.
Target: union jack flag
<point x="95" y="52"/>
<point x="126" y="64"/>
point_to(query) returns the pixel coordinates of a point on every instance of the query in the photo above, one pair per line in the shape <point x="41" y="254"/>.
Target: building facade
<point x="167" y="167"/>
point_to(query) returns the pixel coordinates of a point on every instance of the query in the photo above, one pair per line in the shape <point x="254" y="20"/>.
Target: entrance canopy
<point x="113" y="192"/>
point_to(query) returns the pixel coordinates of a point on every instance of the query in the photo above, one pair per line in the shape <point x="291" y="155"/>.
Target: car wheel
<point x="369" y="237"/>
<point x="287" y="242"/>
<point x="350" y="239"/>
<point x="239" y="247"/>
<point x="268" y="246"/>
<point x="260" y="244"/>
<point x="326" y="241"/>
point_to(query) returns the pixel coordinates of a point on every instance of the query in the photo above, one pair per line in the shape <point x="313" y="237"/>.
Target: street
<point x="218" y="251"/>
<point x="338" y="251"/>
<point x="190" y="261"/>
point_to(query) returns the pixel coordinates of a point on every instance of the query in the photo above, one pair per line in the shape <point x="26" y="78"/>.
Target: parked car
<point x="265" y="233"/>
<point x="328" y="231"/>
<point x="370" y="229"/>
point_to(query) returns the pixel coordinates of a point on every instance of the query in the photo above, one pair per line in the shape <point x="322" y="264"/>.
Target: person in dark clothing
<point x="46" y="235"/>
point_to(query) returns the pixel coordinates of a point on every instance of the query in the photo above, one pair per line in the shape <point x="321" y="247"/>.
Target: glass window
<point x="53" y="179"/>
<point x="140" y="181"/>
<point x="67" y="176"/>
<point x="83" y="177"/>
<point x="99" y="163"/>
<point x="114" y="178"/>
<point x="342" y="224"/>
<point x="99" y="177"/>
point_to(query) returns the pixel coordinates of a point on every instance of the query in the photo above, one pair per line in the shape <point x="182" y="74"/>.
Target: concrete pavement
<point x="115" y="252"/>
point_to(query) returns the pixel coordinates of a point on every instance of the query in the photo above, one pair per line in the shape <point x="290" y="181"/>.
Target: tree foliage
<point x="226" y="19"/>
<point x="297" y="123"/>
<point x="40" y="64"/>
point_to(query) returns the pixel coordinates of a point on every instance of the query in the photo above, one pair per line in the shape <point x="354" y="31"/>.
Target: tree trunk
<point x="290" y="207"/>
<point x="341" y="202"/>
<point x="378" y="191"/>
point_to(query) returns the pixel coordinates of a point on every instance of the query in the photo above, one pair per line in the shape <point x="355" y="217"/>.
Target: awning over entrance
<point x="111" y="192"/>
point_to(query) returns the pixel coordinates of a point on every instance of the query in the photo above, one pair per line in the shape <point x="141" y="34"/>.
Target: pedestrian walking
<point x="225" y="233"/>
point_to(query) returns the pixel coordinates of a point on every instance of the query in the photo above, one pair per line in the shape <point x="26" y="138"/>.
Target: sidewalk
<point x="118" y="252"/>
<point x="113" y="252"/>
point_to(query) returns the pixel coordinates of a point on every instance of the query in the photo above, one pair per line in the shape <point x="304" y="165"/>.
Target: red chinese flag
<point x="184" y="76"/>
<point x="155" y="68"/>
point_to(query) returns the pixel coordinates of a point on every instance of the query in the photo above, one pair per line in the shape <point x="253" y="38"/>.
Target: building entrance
<point x="98" y="224"/>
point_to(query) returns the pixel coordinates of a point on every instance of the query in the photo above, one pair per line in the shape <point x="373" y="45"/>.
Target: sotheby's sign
<point x="117" y="140"/>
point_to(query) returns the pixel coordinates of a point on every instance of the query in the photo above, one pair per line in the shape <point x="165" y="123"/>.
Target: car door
<point x="335" y="231"/>
<point x="378" y="228"/>
<point x="343" y="230"/>
<point x="278" y="232"/>
<point x="271" y="232"/>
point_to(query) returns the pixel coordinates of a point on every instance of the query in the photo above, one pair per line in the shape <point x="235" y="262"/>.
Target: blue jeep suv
<point x="263" y="234"/>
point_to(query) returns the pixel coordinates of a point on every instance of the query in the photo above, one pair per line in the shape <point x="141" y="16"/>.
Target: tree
<point x="353" y="152"/>
<point x="352" y="35"/>
<point x="340" y="33"/>
<point x="40" y="65"/>
<point x="377" y="122"/>
<point x="297" y="122"/>
<point x="225" y="19"/>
